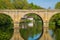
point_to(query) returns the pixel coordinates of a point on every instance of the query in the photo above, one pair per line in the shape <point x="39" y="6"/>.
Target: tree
<point x="54" y="25"/>
<point x="6" y="27"/>
<point x="57" y="6"/>
<point x="6" y="4"/>
<point x="20" y="4"/>
<point x="17" y="4"/>
<point x="33" y="6"/>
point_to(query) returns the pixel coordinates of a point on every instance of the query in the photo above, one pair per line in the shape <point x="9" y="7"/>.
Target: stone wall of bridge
<point x="16" y="15"/>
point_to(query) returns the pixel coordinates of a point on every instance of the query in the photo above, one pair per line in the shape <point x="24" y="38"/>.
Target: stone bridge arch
<point x="16" y="15"/>
<point x="32" y="12"/>
<point x="24" y="12"/>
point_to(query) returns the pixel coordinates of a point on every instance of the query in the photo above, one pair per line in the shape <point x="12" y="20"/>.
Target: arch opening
<point x="54" y="26"/>
<point x="6" y="27"/>
<point x="31" y="26"/>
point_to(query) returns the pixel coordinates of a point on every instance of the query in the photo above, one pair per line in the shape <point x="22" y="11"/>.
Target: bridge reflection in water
<point x="17" y="14"/>
<point x="31" y="26"/>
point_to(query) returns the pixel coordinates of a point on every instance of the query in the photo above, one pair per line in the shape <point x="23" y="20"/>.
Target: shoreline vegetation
<point x="17" y="4"/>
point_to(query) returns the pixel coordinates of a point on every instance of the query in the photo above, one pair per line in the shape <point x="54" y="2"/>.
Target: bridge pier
<point x="46" y="35"/>
<point x="16" y="35"/>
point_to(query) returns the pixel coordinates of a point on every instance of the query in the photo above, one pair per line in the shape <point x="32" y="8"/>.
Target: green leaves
<point x="17" y="4"/>
<point x="6" y="27"/>
<point x="54" y="25"/>
<point x="57" y="6"/>
<point x="58" y="22"/>
<point x="33" y="6"/>
<point x="55" y="19"/>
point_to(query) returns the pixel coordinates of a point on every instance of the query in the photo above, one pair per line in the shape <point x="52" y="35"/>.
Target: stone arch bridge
<point x="16" y="15"/>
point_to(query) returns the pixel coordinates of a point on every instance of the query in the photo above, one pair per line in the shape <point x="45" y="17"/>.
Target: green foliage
<point x="6" y="4"/>
<point x="57" y="34"/>
<point x="32" y="6"/>
<point x="54" y="25"/>
<point x="31" y="31"/>
<point x="6" y="27"/>
<point x="55" y="19"/>
<point x="17" y="4"/>
<point x="57" y="6"/>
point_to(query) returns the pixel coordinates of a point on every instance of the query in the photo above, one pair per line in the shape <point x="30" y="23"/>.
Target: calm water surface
<point x="35" y="37"/>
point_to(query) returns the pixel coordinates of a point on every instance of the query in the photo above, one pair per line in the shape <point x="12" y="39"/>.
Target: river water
<point x="35" y="37"/>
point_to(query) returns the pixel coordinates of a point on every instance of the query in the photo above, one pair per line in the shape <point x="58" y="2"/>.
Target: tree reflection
<point x="6" y="27"/>
<point x="55" y="26"/>
<point x="26" y="30"/>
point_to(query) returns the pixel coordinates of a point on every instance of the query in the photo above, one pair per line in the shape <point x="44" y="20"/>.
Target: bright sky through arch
<point x="45" y="3"/>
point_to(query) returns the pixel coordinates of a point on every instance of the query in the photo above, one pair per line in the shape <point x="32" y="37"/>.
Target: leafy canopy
<point x="57" y="6"/>
<point x="17" y="4"/>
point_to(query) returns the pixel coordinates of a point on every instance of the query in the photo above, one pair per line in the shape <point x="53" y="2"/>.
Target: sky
<point x="45" y="3"/>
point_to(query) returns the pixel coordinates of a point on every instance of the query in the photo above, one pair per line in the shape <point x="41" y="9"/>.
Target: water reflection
<point x="31" y="27"/>
<point x="54" y="25"/>
<point x="55" y="35"/>
<point x="51" y="32"/>
<point x="35" y="37"/>
<point x="6" y="27"/>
